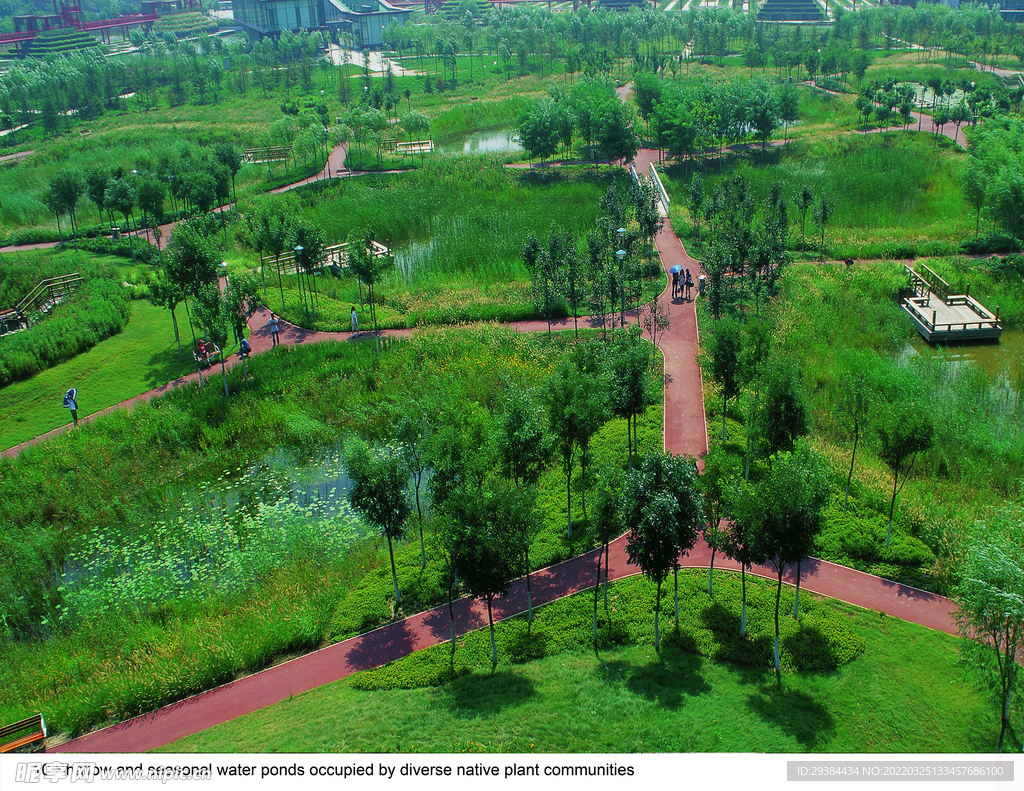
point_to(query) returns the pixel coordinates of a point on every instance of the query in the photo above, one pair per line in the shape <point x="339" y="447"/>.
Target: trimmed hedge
<point x="823" y="638"/>
<point x="857" y="539"/>
<point x="100" y="309"/>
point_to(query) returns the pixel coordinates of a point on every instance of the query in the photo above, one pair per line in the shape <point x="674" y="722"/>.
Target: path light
<point x="621" y="255"/>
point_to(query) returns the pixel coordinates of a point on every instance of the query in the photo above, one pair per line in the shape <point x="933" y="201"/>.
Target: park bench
<point x="212" y="350"/>
<point x="23" y="733"/>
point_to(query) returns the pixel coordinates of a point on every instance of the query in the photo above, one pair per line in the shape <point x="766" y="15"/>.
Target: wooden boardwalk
<point x="942" y="317"/>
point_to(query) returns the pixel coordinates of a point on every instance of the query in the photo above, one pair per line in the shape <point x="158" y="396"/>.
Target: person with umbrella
<point x="675" y="270"/>
<point x="71" y="402"/>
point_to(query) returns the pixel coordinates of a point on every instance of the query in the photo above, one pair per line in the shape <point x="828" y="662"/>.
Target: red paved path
<point x="684" y="432"/>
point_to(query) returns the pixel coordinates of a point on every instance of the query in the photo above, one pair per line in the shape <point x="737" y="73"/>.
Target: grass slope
<point x="142" y="357"/>
<point x="905" y="693"/>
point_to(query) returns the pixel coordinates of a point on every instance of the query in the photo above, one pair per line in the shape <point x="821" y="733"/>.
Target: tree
<point x="151" y="194"/>
<point x="823" y="212"/>
<point x="538" y="130"/>
<point x="242" y="295"/>
<point x="905" y="430"/>
<point x="368" y="267"/>
<point x="781" y="414"/>
<point x="577" y="407"/>
<point x="488" y="547"/>
<point x="230" y="156"/>
<point x="856" y="396"/>
<point x="66" y="188"/>
<point x="631" y="386"/>
<point x="191" y="262"/>
<point x="721" y="470"/>
<point x="784" y="516"/>
<point x="547" y="284"/>
<point x="990" y="601"/>
<point x="211" y="308"/>
<point x="165" y="293"/>
<point x="379" y="493"/>
<point x="412" y="432"/>
<point x="724" y="350"/>
<point x="310" y="246"/>
<point x="120" y="197"/>
<point x="522" y="444"/>
<point x="803" y="201"/>
<point x="663" y="506"/>
<point x="606" y="520"/>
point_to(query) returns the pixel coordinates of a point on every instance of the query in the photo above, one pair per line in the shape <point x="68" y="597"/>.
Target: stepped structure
<point x="790" y="11"/>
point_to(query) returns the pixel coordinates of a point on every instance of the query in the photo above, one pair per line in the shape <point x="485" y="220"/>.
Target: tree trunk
<point x="177" y="337"/>
<point x="892" y="506"/>
<point x="494" y="646"/>
<point x="849" y="477"/>
<point x="675" y="597"/>
<point x="224" y="373"/>
<point x="743" y="609"/>
<point x="568" y="500"/>
<point x="597" y="589"/>
<point x="796" y="601"/>
<point x="529" y="590"/>
<point x="711" y="573"/>
<point x="657" y="612"/>
<point x="451" y="620"/>
<point x="778" y="599"/>
<point x="394" y="576"/>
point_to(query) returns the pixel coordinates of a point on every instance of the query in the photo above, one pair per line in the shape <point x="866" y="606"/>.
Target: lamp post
<point x="170" y="188"/>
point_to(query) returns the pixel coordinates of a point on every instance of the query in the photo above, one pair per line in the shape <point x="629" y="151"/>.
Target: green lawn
<point x="905" y="693"/>
<point x="142" y="357"/>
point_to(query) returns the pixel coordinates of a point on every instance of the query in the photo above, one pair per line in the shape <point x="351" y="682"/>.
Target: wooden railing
<point x="337" y="255"/>
<point x="40" y="299"/>
<point x="985" y="321"/>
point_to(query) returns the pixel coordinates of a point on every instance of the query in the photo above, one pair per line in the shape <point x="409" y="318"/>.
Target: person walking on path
<point x="689" y="285"/>
<point x="675" y="285"/>
<point x="71" y="402"/>
<point x="274" y="328"/>
<point x="355" y="321"/>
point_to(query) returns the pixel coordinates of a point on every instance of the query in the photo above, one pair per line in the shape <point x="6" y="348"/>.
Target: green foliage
<point x="98" y="310"/>
<point x="822" y="640"/>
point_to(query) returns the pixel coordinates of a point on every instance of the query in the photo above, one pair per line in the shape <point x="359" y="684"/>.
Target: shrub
<point x="823" y="639"/>
<point x="99" y="310"/>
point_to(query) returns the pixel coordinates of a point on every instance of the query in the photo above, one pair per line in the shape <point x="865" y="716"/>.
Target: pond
<point x="493" y="141"/>
<point x="997" y="359"/>
<point x="218" y="532"/>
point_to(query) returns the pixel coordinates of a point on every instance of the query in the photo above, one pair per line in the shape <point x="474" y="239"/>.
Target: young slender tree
<point x="720" y="473"/>
<point x="725" y="349"/>
<point x="380" y="481"/>
<point x="990" y="598"/>
<point x="904" y="431"/>
<point x="488" y="548"/>
<point x="664" y="508"/>
<point x="785" y="516"/>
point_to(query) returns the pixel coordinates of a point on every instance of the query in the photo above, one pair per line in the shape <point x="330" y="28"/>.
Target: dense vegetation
<point x="820" y="352"/>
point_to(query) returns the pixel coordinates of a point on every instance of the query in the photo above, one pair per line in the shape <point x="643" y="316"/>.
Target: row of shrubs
<point x="822" y="639"/>
<point x="145" y="252"/>
<point x="99" y="310"/>
<point x="994" y="242"/>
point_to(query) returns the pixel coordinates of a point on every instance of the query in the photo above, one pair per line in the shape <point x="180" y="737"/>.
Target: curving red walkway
<point x="684" y="432"/>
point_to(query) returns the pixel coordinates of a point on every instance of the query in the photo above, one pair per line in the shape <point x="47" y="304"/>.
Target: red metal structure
<point x="68" y="14"/>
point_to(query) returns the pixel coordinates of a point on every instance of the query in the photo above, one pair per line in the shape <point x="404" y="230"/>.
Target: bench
<point x="23" y="733"/>
<point x="211" y="356"/>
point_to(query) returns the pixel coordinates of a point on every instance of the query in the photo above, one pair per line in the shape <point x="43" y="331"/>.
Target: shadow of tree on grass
<point x="480" y="695"/>
<point x="795" y="713"/>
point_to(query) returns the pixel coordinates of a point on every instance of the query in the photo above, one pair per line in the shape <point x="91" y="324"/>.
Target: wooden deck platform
<point x="942" y="317"/>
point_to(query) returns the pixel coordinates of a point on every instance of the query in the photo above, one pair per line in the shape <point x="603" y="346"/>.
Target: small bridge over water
<point x="943" y="317"/>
